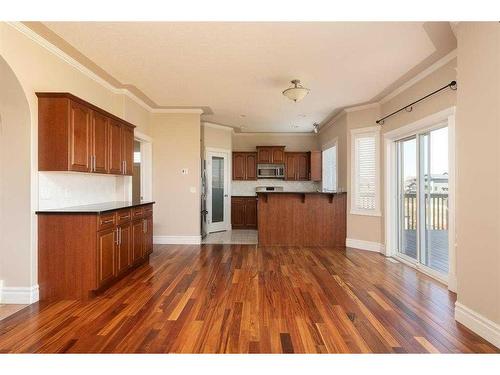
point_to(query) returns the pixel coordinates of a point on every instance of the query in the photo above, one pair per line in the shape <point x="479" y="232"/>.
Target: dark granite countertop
<point x="95" y="208"/>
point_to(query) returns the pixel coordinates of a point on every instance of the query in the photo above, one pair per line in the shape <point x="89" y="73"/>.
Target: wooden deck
<point x="437" y="245"/>
<point x="250" y="299"/>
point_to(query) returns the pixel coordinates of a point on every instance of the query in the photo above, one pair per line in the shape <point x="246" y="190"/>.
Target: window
<point x="365" y="171"/>
<point x="329" y="167"/>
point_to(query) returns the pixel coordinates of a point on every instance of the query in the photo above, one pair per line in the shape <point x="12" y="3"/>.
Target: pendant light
<point x="297" y="92"/>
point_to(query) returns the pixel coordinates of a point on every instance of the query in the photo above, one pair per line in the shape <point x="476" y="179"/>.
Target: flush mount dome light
<point x="296" y="92"/>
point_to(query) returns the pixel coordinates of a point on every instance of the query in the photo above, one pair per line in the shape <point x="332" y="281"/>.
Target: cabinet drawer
<point x="137" y="212"/>
<point x="148" y="210"/>
<point x="124" y="215"/>
<point x="107" y="220"/>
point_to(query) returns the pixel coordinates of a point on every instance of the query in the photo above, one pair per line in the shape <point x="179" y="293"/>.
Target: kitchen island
<point x="301" y="218"/>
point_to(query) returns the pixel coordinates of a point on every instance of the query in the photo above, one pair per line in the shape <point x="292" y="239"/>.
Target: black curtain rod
<point x="452" y="85"/>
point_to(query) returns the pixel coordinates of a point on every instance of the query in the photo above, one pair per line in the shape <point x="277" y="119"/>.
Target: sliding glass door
<point x="422" y="181"/>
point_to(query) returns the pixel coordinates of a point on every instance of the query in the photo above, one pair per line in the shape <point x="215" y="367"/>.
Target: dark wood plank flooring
<point x="249" y="299"/>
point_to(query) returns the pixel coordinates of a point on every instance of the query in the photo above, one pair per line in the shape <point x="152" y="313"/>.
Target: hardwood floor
<point x="246" y="299"/>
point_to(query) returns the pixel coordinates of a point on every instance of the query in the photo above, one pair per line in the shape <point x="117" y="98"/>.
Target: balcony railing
<point x="436" y="207"/>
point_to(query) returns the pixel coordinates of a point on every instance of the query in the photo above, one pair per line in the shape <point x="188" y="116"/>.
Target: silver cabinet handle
<point x="95" y="163"/>
<point x="144" y="226"/>
<point x="120" y="235"/>
<point x="115" y="233"/>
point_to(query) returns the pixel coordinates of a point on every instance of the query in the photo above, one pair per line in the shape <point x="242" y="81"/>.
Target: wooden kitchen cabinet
<point x="74" y="135"/>
<point x="316" y="166"/>
<point x="244" y="212"/>
<point x="244" y="166"/>
<point x="137" y="240"/>
<point x="123" y="260"/>
<point x="270" y="154"/>
<point x="81" y="253"/>
<point x="106" y="252"/>
<point x="297" y="166"/>
<point x="115" y="147"/>
<point x="128" y="151"/>
<point x="79" y="138"/>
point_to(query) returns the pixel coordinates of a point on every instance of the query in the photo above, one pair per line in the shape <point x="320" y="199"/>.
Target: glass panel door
<point x="217" y="189"/>
<point x="434" y="194"/>
<point x="407" y="197"/>
<point x="422" y="184"/>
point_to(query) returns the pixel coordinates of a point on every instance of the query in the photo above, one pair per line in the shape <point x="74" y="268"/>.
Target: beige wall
<point x="39" y="69"/>
<point x="478" y="160"/>
<point x="176" y="145"/>
<point x="217" y="137"/>
<point x="15" y="182"/>
<point x="293" y="142"/>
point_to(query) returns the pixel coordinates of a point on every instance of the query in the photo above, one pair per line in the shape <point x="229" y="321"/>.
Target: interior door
<point x="128" y="150"/>
<point x="218" y="203"/>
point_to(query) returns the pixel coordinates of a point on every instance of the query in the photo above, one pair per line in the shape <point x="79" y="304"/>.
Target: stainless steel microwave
<point x="270" y="171"/>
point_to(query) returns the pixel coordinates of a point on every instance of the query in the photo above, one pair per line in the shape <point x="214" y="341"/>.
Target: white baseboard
<point x="19" y="295"/>
<point x="177" y="240"/>
<point x="452" y="282"/>
<point x="365" y="245"/>
<point x="481" y="325"/>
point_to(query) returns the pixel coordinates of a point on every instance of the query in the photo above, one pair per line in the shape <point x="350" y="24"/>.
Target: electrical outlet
<point x="184" y="171"/>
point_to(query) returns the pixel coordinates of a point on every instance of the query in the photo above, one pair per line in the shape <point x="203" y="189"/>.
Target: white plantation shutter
<point x="365" y="179"/>
<point x="329" y="168"/>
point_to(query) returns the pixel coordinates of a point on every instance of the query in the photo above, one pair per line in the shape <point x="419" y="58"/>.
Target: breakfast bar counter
<point x="301" y="218"/>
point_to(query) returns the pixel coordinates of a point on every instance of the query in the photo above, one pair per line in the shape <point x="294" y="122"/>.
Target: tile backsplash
<point x="248" y="187"/>
<point x="61" y="189"/>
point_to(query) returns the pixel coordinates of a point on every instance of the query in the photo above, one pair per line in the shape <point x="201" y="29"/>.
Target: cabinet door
<point x="115" y="147"/>
<point x="302" y="165"/>
<point x="264" y="155"/>
<point x="239" y="161"/>
<point x="251" y="213"/>
<point x="137" y="240"/>
<point x="79" y="135"/>
<point x="124" y="248"/>
<point x="278" y="155"/>
<point x="148" y="235"/>
<point x="128" y="150"/>
<point x="100" y="135"/>
<point x="251" y="166"/>
<point x="290" y="167"/>
<point x="316" y="166"/>
<point x="106" y="270"/>
<point x="237" y="213"/>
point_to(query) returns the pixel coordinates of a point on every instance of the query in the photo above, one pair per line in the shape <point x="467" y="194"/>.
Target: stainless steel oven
<point x="270" y="171"/>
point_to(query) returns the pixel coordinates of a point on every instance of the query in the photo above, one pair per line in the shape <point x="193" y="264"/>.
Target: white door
<point x="218" y="203"/>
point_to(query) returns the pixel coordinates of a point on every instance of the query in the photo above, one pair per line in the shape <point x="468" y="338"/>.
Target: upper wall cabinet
<point x="271" y="154"/>
<point x="244" y="166"/>
<point x="74" y="135"/>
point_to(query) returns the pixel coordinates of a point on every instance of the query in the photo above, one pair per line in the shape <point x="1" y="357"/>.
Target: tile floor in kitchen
<point x="235" y="236"/>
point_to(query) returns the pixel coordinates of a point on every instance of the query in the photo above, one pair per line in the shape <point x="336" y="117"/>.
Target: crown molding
<point x="25" y="30"/>
<point x="217" y="126"/>
<point x="198" y="111"/>
<point x="438" y="64"/>
<point x="362" y="107"/>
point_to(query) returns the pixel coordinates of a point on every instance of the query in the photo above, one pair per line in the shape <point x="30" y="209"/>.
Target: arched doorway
<point x="16" y="258"/>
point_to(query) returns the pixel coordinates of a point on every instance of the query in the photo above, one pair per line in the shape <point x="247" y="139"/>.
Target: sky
<point x="439" y="153"/>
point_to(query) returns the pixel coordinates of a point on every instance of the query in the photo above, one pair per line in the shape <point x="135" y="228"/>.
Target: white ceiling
<point x="240" y="69"/>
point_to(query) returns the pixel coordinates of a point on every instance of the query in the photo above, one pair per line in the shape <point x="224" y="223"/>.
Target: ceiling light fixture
<point x="297" y="92"/>
<point x="315" y="128"/>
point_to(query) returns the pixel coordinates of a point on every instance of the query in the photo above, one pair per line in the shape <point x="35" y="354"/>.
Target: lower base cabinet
<point x="244" y="212"/>
<point x="80" y="254"/>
